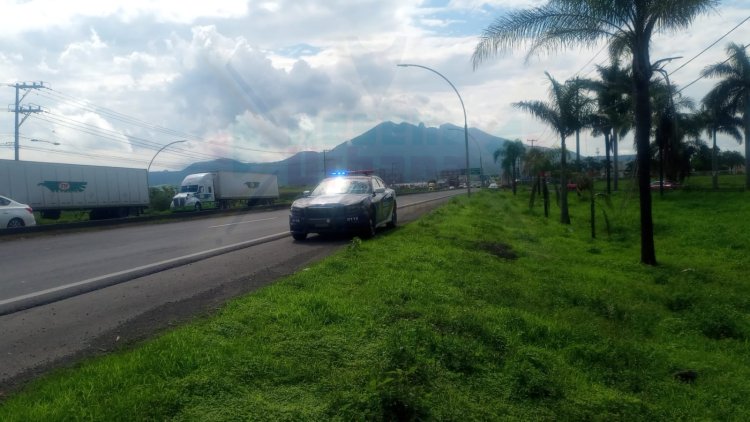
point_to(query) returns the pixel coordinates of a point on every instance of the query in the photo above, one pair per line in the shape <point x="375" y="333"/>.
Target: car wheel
<point x="394" y="218"/>
<point x="198" y="206"/>
<point x="15" y="223"/>
<point x="370" y="230"/>
<point x="299" y="236"/>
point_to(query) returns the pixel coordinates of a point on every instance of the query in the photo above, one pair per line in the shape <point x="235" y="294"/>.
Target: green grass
<point x="482" y="310"/>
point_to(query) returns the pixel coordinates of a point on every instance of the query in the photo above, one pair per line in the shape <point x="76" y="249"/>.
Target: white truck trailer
<point x="219" y="189"/>
<point x="106" y="192"/>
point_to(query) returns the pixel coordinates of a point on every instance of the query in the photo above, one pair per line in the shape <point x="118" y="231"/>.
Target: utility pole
<point x="325" y="169"/>
<point x="26" y="111"/>
<point x="531" y="141"/>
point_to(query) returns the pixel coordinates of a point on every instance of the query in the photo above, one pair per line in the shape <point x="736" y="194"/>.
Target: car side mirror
<point x="379" y="190"/>
<point x="306" y="193"/>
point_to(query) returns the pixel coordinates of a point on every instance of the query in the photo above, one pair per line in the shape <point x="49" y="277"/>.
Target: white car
<point x="493" y="186"/>
<point x="14" y="214"/>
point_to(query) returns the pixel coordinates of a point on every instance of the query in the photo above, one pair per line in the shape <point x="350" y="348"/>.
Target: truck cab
<point x="196" y="192"/>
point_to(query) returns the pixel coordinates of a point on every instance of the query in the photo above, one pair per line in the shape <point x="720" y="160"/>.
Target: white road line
<point x="243" y="222"/>
<point x="143" y="267"/>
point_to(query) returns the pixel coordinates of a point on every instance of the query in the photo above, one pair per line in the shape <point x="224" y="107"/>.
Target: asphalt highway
<point x="65" y="296"/>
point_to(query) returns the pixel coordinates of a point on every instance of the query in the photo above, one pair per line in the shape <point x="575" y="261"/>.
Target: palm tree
<point x="735" y="88"/>
<point x="582" y="109"/>
<point x="601" y="125"/>
<point x="511" y="153"/>
<point x="628" y="26"/>
<point x="538" y="162"/>
<point x="613" y="115"/>
<point x="558" y="113"/>
<point x="674" y="124"/>
<point x="717" y="116"/>
<point x="613" y="94"/>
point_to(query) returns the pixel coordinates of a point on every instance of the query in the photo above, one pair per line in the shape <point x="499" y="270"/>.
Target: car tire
<point x="299" y="236"/>
<point x="198" y="206"/>
<point x="15" y="223"/>
<point x="370" y="229"/>
<point x="394" y="218"/>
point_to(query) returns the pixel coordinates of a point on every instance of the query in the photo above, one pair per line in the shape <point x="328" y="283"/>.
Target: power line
<point x="701" y="77"/>
<point x="591" y="60"/>
<point x="88" y="106"/>
<point x="712" y="44"/>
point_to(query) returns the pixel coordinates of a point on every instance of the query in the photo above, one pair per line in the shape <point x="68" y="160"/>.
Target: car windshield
<point x="339" y="185"/>
<point x="189" y="189"/>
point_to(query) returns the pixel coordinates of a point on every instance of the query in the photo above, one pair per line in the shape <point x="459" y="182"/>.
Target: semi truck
<point x="218" y="189"/>
<point x="50" y="188"/>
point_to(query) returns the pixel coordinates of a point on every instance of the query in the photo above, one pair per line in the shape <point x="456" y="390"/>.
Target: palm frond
<point x="547" y="28"/>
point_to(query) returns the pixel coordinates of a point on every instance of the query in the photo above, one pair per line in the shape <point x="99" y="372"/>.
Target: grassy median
<point x="481" y="310"/>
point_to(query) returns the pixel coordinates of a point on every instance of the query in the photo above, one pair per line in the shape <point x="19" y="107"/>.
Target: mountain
<point x="397" y="152"/>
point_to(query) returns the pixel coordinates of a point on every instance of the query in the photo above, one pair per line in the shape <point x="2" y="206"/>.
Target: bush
<point x="161" y="197"/>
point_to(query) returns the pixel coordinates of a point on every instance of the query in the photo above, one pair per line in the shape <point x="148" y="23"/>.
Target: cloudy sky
<point x="261" y="80"/>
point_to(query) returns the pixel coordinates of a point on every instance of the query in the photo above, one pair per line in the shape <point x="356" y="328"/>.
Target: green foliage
<point x="161" y="197"/>
<point x="437" y="321"/>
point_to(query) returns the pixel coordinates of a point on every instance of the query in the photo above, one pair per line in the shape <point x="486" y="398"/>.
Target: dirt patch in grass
<point x="500" y="250"/>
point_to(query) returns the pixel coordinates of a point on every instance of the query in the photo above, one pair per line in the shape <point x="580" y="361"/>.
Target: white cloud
<point x="290" y="75"/>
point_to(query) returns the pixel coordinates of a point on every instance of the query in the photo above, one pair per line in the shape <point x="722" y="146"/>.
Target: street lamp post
<point x="46" y="142"/>
<point x="148" y="169"/>
<point x="466" y="127"/>
<point x="13" y="143"/>
<point x="479" y="149"/>
<point x="325" y="167"/>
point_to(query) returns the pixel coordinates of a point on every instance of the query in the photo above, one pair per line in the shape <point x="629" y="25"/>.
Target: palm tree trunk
<point x="746" y="119"/>
<point x="578" y="150"/>
<point x="616" y="159"/>
<point x="641" y="76"/>
<point x="714" y="162"/>
<point x="564" y="215"/>
<point x="607" y="146"/>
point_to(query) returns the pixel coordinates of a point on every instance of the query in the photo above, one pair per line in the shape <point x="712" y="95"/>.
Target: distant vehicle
<point x="50" y="188"/>
<point x="668" y="185"/>
<point x="15" y="214"/>
<point x="493" y="186"/>
<point x="572" y="186"/>
<point x="217" y="189"/>
<point x="351" y="203"/>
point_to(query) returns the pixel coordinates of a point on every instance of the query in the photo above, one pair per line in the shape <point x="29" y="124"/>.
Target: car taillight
<point x="31" y="211"/>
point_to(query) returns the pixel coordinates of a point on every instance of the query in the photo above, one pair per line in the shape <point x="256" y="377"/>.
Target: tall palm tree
<point x="735" y="87"/>
<point x="628" y="26"/>
<point x="583" y="108"/>
<point x="677" y="131"/>
<point x="511" y="153"/>
<point x="613" y="93"/>
<point x="601" y="125"/>
<point x="717" y="116"/>
<point x="558" y="113"/>
<point x="612" y="117"/>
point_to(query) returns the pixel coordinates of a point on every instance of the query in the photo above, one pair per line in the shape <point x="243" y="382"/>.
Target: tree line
<point x="632" y="93"/>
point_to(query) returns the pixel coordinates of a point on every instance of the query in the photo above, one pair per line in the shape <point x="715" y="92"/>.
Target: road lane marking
<point x="243" y="222"/>
<point x="143" y="269"/>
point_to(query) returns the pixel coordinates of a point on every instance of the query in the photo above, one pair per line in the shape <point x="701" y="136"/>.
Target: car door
<point x="385" y="200"/>
<point x="5" y="213"/>
<point x="389" y="202"/>
<point x="377" y="199"/>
